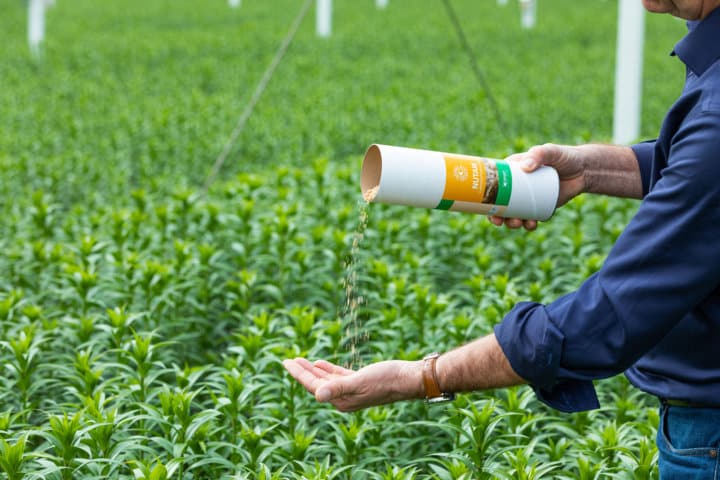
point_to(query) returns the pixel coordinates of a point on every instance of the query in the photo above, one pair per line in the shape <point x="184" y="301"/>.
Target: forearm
<point x="611" y="170"/>
<point x="479" y="365"/>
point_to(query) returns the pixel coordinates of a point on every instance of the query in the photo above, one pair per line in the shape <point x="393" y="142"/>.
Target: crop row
<point x="149" y="336"/>
<point x="144" y="322"/>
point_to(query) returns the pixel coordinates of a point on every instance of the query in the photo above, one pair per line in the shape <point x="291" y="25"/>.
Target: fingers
<point x="305" y="373"/>
<point x="306" y="364"/>
<point x="530" y="225"/>
<point x="497" y="221"/>
<point x="326" y="381"/>
<point x="319" y="378"/>
<point x="332" y="368"/>
<point x="346" y="389"/>
<point x="513" y="223"/>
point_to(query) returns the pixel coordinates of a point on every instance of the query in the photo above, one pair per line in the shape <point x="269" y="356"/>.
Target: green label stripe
<point x="504" y="183"/>
<point x="445" y="204"/>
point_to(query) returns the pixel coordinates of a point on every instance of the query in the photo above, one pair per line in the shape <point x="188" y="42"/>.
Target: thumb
<point x="533" y="159"/>
<point x="330" y="391"/>
<point x="540" y="155"/>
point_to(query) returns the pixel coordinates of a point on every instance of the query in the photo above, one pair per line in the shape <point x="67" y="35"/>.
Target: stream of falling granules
<point x="353" y="298"/>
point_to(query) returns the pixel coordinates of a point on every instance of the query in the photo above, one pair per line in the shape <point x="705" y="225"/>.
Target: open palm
<point x="350" y="390"/>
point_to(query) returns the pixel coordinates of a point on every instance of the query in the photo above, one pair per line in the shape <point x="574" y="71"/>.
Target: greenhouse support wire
<point x="476" y="70"/>
<point x="259" y="89"/>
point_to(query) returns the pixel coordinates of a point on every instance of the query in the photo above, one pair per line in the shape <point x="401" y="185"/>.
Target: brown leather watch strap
<point x="432" y="389"/>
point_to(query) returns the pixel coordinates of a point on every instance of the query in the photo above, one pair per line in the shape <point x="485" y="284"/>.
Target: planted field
<point x="144" y="322"/>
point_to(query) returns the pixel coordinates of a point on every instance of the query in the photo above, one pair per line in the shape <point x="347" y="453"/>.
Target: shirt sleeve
<point x="644" y="152"/>
<point x="662" y="265"/>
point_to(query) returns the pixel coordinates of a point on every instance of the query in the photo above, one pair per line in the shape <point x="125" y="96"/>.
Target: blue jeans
<point x="688" y="441"/>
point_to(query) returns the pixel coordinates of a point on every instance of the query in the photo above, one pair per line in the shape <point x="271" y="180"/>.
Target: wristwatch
<point x="432" y="389"/>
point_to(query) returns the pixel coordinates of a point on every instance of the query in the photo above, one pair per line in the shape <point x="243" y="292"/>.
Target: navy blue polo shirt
<point x="653" y="309"/>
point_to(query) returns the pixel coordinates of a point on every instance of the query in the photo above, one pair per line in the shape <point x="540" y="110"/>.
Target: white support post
<point x="502" y="2"/>
<point x="381" y="3"/>
<point x="528" y="13"/>
<point x="36" y="25"/>
<point x="234" y="3"/>
<point x="628" y="72"/>
<point x="323" y="19"/>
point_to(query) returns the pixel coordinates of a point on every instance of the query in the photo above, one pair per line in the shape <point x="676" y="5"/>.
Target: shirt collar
<point x="701" y="46"/>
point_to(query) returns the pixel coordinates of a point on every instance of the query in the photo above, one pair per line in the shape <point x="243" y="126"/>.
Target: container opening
<point x="371" y="172"/>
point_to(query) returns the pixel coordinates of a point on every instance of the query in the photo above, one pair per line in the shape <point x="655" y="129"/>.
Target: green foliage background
<point x="143" y="323"/>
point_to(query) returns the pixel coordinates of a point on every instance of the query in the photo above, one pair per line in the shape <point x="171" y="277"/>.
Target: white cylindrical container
<point x="464" y="183"/>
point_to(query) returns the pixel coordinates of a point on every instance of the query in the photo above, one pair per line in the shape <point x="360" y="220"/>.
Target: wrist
<point x="584" y="155"/>
<point x="412" y="379"/>
<point x="610" y="170"/>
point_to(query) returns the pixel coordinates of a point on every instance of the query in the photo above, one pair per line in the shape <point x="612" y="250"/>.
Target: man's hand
<point x="479" y="365"/>
<point x="350" y="390"/>
<point x="604" y="169"/>
<point x="568" y="161"/>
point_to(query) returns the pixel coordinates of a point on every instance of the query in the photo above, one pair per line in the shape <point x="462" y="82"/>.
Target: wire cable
<point x="259" y="89"/>
<point x="502" y="126"/>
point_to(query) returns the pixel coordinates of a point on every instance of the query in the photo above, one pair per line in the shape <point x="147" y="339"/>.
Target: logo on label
<point x="476" y="180"/>
<point x="460" y="173"/>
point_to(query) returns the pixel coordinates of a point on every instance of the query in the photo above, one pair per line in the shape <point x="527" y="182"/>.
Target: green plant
<point x="144" y="320"/>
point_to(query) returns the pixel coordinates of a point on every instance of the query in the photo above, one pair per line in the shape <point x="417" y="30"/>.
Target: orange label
<point x="465" y="179"/>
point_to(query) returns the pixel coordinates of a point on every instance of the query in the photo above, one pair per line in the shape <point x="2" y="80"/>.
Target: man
<point x="653" y="309"/>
